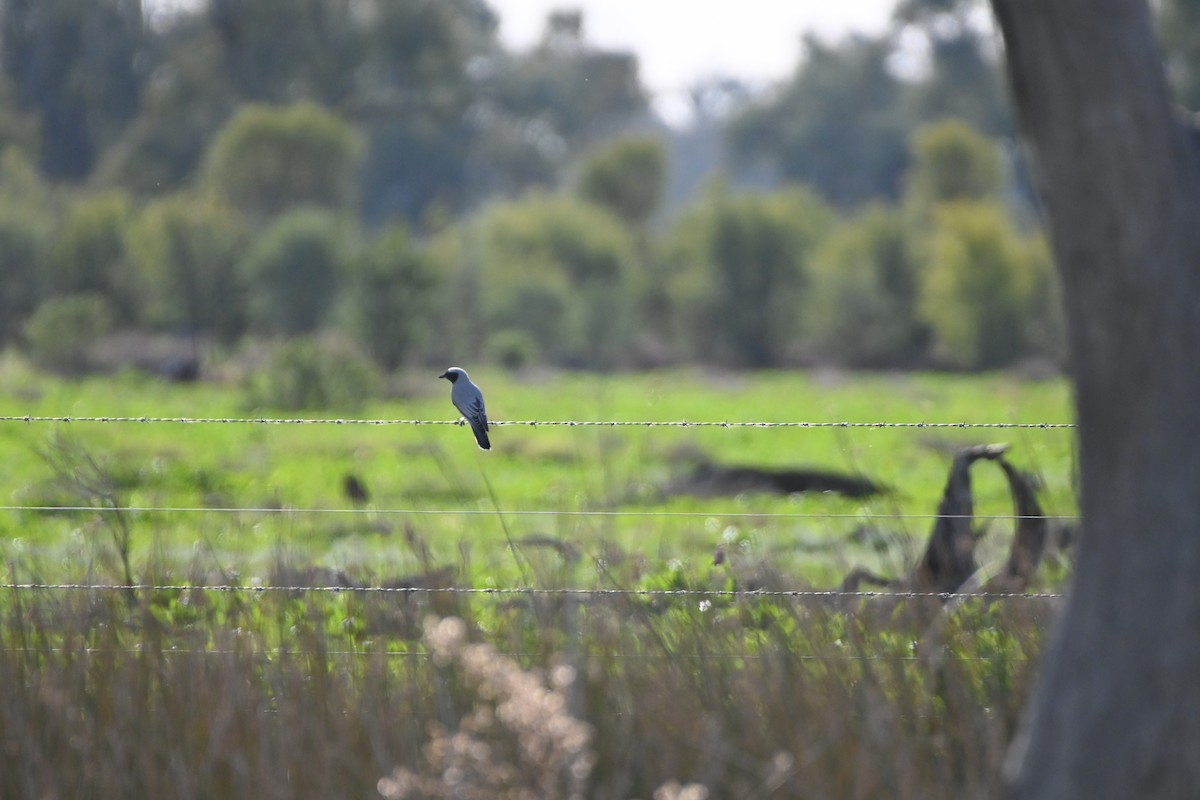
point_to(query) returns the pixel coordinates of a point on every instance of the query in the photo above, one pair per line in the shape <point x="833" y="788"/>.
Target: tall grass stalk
<point x="267" y="695"/>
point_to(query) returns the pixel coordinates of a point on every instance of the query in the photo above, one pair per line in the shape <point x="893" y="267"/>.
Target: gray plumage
<point x="469" y="401"/>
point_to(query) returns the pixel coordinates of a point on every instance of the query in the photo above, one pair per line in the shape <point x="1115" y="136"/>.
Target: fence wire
<point x="375" y="653"/>
<point x="533" y="423"/>
<point x="474" y="512"/>
<point x="529" y="591"/>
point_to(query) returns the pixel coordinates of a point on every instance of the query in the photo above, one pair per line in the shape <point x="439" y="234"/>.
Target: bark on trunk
<point x="1117" y="712"/>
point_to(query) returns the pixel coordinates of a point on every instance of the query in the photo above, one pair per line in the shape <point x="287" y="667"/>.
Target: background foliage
<point x="387" y="170"/>
<point x="390" y="171"/>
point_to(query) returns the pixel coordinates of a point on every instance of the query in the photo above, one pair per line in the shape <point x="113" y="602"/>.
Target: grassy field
<point x="437" y="473"/>
<point x="185" y="693"/>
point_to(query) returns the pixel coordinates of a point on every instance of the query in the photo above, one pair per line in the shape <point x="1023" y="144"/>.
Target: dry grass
<point x="271" y="696"/>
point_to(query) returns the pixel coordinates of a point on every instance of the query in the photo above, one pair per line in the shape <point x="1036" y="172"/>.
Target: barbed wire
<point x="375" y="653"/>
<point x="529" y="591"/>
<point x="526" y="512"/>
<point x="533" y="423"/>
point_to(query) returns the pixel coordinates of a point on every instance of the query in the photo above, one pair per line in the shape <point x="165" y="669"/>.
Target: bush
<point x="311" y="373"/>
<point x="22" y="240"/>
<point x="187" y="250"/>
<point x="952" y="161"/>
<point x="293" y="272"/>
<point x="90" y="254"/>
<point x="267" y="159"/>
<point x="390" y="297"/>
<point x="512" y="349"/>
<point x="560" y="270"/>
<point x="985" y="289"/>
<point x="627" y="177"/>
<point x="862" y="307"/>
<point x="59" y="332"/>
<point x="746" y="268"/>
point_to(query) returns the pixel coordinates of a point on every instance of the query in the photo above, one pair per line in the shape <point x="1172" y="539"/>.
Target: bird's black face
<point x="450" y="376"/>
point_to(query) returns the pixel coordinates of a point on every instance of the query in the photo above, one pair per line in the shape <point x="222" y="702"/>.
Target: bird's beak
<point x="444" y="375"/>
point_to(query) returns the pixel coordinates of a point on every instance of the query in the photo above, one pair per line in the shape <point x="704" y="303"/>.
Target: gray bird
<point x="469" y="401"/>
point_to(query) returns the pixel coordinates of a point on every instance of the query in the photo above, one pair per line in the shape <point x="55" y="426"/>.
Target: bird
<point x="469" y="401"/>
<point x="355" y="489"/>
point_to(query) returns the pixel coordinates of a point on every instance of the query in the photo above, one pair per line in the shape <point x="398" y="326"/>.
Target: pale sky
<point x="681" y="41"/>
<point x="678" y="41"/>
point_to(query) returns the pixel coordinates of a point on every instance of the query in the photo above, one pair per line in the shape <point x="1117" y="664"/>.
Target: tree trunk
<point x="1117" y="712"/>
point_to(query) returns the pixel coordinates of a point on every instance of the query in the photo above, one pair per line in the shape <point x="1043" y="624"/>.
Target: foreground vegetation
<point x="268" y="695"/>
<point x="419" y="692"/>
<point x="277" y="491"/>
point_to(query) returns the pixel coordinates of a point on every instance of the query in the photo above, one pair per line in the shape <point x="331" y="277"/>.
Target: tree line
<point x="387" y="170"/>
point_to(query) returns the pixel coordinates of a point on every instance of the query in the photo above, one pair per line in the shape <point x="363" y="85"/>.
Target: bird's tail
<point x="481" y="435"/>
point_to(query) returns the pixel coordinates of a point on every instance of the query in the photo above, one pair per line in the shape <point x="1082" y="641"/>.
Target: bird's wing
<point x="469" y="403"/>
<point x="479" y="427"/>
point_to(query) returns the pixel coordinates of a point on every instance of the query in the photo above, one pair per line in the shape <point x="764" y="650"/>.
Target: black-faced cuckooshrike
<point x="469" y="401"/>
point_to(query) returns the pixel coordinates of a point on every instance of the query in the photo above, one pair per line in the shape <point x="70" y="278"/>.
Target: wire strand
<point x="472" y="512"/>
<point x="374" y="653"/>
<point x="526" y="591"/>
<point x="533" y="423"/>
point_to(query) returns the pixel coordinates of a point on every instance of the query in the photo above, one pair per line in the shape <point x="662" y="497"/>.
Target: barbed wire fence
<point x="531" y="423"/>
<point x="405" y="591"/>
<point x="590" y="594"/>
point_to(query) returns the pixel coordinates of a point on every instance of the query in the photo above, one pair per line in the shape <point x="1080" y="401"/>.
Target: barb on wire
<point x="375" y="653"/>
<point x="533" y="423"/>
<point x="518" y="590"/>
<point x="477" y="512"/>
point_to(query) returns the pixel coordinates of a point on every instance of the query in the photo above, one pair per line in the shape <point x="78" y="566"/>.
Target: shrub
<point x="21" y="249"/>
<point x="390" y="297"/>
<point x="512" y="349"/>
<point x="862" y="307"/>
<point x="627" y="177"/>
<point x="560" y="270"/>
<point x="59" y="332"/>
<point x="293" y="273"/>
<point x="90" y="254"/>
<point x="747" y="271"/>
<point x="267" y="159"/>
<point x="187" y="250"/>
<point x="311" y="373"/>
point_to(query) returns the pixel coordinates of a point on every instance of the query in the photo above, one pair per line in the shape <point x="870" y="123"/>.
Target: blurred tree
<point x="862" y="307"/>
<point x="953" y="162"/>
<point x="89" y="254"/>
<point x="60" y="331"/>
<point x="28" y="211"/>
<point x="18" y="128"/>
<point x="390" y="296"/>
<point x="293" y="272"/>
<point x="73" y="64"/>
<point x="269" y="159"/>
<point x="186" y="249"/>
<point x="281" y="51"/>
<point x="979" y="289"/>
<point x="581" y="91"/>
<point x="963" y="79"/>
<point x="312" y="372"/>
<point x="1179" y="29"/>
<point x="541" y="108"/>
<point x="626" y="176"/>
<point x="839" y="125"/>
<point x="22" y="243"/>
<point x="558" y="269"/>
<point x="749" y="261"/>
<point x="182" y="108"/>
<point x="418" y="99"/>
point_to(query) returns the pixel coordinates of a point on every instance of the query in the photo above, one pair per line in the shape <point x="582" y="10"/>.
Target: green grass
<point x="282" y="694"/>
<point x="544" y="469"/>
